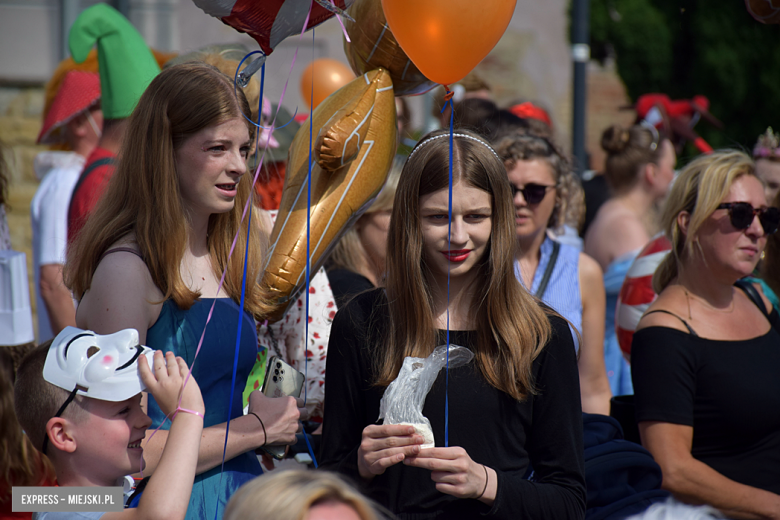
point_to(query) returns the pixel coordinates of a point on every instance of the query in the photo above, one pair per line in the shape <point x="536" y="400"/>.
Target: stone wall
<point x="20" y="122"/>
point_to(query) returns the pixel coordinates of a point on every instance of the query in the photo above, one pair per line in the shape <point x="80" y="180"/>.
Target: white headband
<point x="422" y="143"/>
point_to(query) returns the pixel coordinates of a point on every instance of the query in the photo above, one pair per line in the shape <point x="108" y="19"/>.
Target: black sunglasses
<point x="532" y="193"/>
<point x="742" y="214"/>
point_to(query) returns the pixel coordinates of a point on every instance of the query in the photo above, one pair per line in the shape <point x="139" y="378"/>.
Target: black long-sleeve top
<point x="544" y="431"/>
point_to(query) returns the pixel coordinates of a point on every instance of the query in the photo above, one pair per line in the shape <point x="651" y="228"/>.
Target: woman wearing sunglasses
<point x="543" y="186"/>
<point x="639" y="169"/>
<point x="705" y="357"/>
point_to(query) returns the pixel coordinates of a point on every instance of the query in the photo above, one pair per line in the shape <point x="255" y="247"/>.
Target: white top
<point x="59" y="172"/>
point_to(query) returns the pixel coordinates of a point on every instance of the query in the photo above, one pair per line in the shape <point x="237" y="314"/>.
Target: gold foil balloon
<point x="765" y="11"/>
<point x="354" y="142"/>
<point x="374" y="46"/>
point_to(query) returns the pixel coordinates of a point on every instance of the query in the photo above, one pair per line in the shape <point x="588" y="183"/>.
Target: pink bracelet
<point x="193" y="412"/>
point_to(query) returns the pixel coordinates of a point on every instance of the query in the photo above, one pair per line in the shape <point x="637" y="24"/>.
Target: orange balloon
<point x="328" y="75"/>
<point x="446" y="39"/>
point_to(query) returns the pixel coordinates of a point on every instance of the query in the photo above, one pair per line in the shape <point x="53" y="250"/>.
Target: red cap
<point x="79" y="91"/>
<point x="528" y="110"/>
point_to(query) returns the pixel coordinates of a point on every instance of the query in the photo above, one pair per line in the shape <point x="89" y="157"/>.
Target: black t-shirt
<point x="728" y="391"/>
<point x="345" y="284"/>
<point x="596" y="193"/>
<point x="544" y="430"/>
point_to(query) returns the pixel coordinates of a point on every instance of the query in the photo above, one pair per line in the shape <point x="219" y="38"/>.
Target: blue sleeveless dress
<point x="618" y="369"/>
<point x="179" y="331"/>
<point x="563" y="290"/>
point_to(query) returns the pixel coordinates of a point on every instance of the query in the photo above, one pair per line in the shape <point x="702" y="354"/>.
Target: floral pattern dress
<point x="286" y="339"/>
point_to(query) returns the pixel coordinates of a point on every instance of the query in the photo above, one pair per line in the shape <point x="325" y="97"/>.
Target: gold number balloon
<point x="354" y="141"/>
<point x="373" y="46"/>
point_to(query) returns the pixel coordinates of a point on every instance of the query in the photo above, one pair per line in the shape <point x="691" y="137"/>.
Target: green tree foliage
<point x="686" y="47"/>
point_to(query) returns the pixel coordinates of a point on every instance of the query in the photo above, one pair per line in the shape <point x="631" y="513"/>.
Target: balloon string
<point x="308" y="258"/>
<point x="448" y="101"/>
<point x="235" y="355"/>
<point x="448" y="96"/>
<point x="232" y="246"/>
<point x="243" y="214"/>
<point x="341" y="23"/>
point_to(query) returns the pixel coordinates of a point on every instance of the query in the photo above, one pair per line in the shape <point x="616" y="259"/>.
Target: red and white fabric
<point x="637" y="293"/>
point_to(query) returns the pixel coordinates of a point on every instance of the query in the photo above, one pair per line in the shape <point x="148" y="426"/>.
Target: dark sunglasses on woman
<point x="532" y="193"/>
<point x="743" y="213"/>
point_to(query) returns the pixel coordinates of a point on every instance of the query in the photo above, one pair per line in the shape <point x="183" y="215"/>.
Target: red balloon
<point x="268" y="21"/>
<point x="637" y="293"/>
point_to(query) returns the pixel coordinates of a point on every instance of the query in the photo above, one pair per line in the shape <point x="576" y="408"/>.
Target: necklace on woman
<point x="707" y="304"/>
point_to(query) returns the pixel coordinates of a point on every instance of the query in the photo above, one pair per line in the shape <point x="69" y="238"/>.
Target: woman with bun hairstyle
<point x="151" y="255"/>
<point x="639" y="169"/>
<point x="559" y="274"/>
<point x="516" y="405"/>
<point x="705" y="356"/>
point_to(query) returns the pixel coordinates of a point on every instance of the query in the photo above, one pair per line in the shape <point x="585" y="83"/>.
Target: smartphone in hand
<point x="281" y="379"/>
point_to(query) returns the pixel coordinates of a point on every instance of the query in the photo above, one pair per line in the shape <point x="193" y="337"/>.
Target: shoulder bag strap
<point x="548" y="272"/>
<point x="106" y="161"/>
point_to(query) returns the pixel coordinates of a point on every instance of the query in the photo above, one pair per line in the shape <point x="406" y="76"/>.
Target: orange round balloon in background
<point x="328" y="75"/>
<point x="446" y="39"/>
<point x="373" y="46"/>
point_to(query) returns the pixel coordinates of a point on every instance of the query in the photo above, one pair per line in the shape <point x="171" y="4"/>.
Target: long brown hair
<point x="144" y="197"/>
<point x="512" y="328"/>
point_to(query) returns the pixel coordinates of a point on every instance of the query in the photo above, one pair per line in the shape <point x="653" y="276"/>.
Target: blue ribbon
<point x="449" y="247"/>
<point x="308" y="258"/>
<point x="235" y="355"/>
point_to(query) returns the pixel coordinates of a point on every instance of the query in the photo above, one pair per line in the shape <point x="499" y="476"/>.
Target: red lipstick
<point x="457" y="255"/>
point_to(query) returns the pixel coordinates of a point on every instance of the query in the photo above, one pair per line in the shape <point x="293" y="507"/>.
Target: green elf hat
<point x="127" y="66"/>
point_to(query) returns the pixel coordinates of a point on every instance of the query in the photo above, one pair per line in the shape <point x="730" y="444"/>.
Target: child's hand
<point x="166" y="380"/>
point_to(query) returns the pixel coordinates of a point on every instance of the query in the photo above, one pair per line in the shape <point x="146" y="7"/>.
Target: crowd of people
<point x="476" y="242"/>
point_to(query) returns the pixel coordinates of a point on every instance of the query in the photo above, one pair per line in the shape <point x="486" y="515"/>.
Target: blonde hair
<point x="349" y="252"/>
<point x="698" y="190"/>
<point x="288" y="495"/>
<point x="143" y="196"/>
<point x="512" y="328"/>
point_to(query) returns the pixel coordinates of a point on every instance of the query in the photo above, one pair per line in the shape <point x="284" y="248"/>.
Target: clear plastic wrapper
<point x="404" y="398"/>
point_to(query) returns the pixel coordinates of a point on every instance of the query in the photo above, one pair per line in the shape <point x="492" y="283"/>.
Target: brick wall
<point x="606" y="95"/>
<point x="20" y="122"/>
